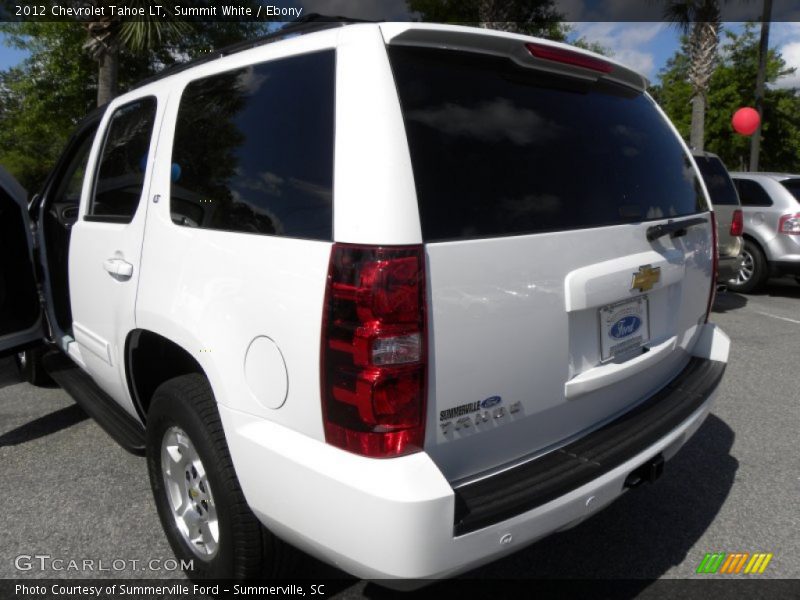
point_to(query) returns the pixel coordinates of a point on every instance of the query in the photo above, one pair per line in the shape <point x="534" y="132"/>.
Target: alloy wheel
<point x="189" y="493"/>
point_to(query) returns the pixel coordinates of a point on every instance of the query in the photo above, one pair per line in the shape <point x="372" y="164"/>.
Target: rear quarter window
<point x="752" y="193"/>
<point x="498" y="149"/>
<point x="253" y="149"/>
<point x="793" y="185"/>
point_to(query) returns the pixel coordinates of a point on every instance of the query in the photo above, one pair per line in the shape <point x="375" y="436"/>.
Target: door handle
<point x="118" y="267"/>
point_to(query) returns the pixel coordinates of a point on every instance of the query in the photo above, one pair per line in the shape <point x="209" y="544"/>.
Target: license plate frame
<point x="616" y="319"/>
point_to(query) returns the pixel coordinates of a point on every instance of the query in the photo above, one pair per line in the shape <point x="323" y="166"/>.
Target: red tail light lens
<point x="374" y="350"/>
<point x="714" y="265"/>
<point x="789" y="224"/>
<point x="737" y="224"/>
<point x="569" y="57"/>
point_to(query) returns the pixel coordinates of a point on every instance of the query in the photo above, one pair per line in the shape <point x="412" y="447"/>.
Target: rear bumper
<point x="492" y="499"/>
<point x="782" y="248"/>
<point x="398" y="518"/>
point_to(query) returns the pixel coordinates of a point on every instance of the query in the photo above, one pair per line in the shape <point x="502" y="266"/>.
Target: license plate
<point x="624" y="327"/>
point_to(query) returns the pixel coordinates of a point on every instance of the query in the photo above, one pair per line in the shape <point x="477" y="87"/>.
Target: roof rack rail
<point x="308" y="24"/>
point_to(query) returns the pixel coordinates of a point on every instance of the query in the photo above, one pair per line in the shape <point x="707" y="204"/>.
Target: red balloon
<point x="746" y="120"/>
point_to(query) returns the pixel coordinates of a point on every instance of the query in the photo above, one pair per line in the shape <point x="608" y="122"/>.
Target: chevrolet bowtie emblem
<point x="646" y="278"/>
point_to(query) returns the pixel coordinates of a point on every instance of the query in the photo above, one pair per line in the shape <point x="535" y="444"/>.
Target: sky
<point x="644" y="46"/>
<point x="647" y="46"/>
<point x="9" y="57"/>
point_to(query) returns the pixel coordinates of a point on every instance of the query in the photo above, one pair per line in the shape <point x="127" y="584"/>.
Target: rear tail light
<point x="714" y="265"/>
<point x="737" y="224"/>
<point x="374" y="350"/>
<point x="569" y="57"/>
<point x="789" y="224"/>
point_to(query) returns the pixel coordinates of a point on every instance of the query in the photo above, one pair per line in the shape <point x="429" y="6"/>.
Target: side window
<point x="68" y="189"/>
<point x="120" y="173"/>
<point x="253" y="149"/>
<point x="752" y="193"/>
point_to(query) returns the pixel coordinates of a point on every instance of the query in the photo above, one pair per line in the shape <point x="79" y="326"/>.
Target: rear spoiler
<point x="513" y="46"/>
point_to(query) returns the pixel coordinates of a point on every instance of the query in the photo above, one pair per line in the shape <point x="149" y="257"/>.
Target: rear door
<point x="20" y="310"/>
<point x="555" y="305"/>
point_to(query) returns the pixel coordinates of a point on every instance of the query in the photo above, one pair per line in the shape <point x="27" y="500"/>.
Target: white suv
<point x="408" y="297"/>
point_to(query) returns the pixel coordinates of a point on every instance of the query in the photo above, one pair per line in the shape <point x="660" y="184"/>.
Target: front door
<point x="20" y="311"/>
<point x="106" y="242"/>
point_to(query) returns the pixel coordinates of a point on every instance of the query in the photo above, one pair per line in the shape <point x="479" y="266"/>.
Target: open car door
<point x="21" y="320"/>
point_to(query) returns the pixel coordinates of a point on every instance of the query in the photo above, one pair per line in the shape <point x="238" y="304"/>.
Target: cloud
<point x="791" y="54"/>
<point x="495" y="121"/>
<point x="642" y="62"/>
<point x="249" y="81"/>
<point x="783" y="33"/>
<point x="627" y="41"/>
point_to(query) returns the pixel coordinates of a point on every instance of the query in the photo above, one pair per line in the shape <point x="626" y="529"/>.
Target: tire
<point x="243" y="549"/>
<point x="30" y="367"/>
<point x="754" y="271"/>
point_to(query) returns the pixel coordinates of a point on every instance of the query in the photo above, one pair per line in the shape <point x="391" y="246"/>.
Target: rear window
<point x="719" y="184"/>
<point x="499" y="149"/>
<point x="793" y="185"/>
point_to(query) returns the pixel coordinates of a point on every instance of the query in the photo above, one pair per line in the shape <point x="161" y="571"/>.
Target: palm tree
<point x="700" y="21"/>
<point x="109" y="34"/>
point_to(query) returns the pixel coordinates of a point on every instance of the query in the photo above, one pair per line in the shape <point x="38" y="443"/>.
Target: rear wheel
<point x="754" y="270"/>
<point x="30" y="368"/>
<point x="199" y="500"/>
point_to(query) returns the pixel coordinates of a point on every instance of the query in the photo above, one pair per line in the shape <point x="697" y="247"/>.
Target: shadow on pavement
<point x="635" y="540"/>
<point x="8" y="372"/>
<point x="728" y="300"/>
<point x="43" y="426"/>
<point x="786" y="287"/>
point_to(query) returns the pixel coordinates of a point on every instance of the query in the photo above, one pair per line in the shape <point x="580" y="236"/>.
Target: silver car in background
<point x="771" y="228"/>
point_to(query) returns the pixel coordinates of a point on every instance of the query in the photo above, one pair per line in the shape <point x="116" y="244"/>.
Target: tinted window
<point x="19" y="304"/>
<point x="120" y="176"/>
<point x="499" y="149"/>
<point x="68" y="189"/>
<point x="253" y="149"/>
<point x="719" y="184"/>
<point x="793" y="185"/>
<point x="751" y="193"/>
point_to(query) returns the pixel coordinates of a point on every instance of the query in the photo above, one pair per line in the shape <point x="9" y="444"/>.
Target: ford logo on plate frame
<point x="626" y="326"/>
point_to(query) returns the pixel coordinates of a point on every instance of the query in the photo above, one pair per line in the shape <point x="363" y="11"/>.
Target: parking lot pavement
<point x="71" y="493"/>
